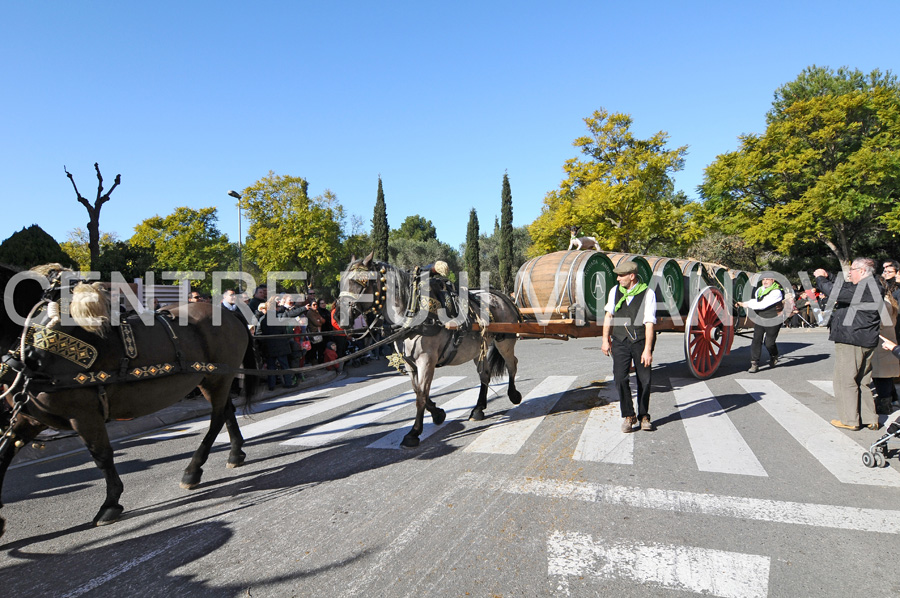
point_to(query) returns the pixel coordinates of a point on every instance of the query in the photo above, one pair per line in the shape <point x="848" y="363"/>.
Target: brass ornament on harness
<point x="62" y="344"/>
<point x="127" y="334"/>
<point x="150" y="371"/>
<point x="92" y="377"/>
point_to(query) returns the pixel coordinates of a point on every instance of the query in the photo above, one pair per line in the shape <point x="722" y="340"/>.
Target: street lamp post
<point x="237" y="196"/>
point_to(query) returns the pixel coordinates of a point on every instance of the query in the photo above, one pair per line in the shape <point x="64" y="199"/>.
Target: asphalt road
<point x="743" y="490"/>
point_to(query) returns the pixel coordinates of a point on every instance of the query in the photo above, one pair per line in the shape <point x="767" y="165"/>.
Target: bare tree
<point x="93" y="225"/>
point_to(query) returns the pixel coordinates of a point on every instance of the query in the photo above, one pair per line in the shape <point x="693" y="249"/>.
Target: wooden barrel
<point x="695" y="279"/>
<point x="557" y="284"/>
<point x="668" y="283"/>
<point x="739" y="282"/>
<point x="645" y="272"/>
<point x="720" y="273"/>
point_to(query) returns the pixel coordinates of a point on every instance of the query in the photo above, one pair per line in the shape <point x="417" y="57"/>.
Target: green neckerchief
<point x="767" y="290"/>
<point x="626" y="293"/>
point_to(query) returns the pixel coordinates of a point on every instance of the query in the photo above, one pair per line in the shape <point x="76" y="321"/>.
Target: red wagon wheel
<point x="708" y="333"/>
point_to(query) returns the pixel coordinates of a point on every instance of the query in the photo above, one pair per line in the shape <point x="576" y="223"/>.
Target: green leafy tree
<point x="622" y="193"/>
<point x="185" y="240"/>
<point x="380" y="228"/>
<point x="31" y="247"/>
<point x="130" y="261"/>
<point x="415" y="227"/>
<point x="505" y="243"/>
<point x="489" y="247"/>
<point x="409" y="253"/>
<point x="77" y="246"/>
<point x="290" y="231"/>
<point x="826" y="170"/>
<point x="473" y="253"/>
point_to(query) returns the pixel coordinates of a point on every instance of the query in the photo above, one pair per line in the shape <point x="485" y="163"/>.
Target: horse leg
<point x="194" y="471"/>
<point x="506" y="347"/>
<point x="438" y="415"/>
<point x="236" y="456"/>
<point x="484" y="375"/>
<point x="94" y="435"/>
<point x="478" y="411"/>
<point x="23" y="431"/>
<point x="421" y="376"/>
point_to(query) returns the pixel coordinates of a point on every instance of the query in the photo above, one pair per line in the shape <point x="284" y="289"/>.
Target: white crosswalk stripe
<point x="686" y="568"/>
<point x="824" y="385"/>
<point x="513" y="430"/>
<point x="458" y="409"/>
<point x="326" y="433"/>
<point x="602" y="440"/>
<point x="291" y="417"/>
<point x="716" y="443"/>
<point x="836" y="451"/>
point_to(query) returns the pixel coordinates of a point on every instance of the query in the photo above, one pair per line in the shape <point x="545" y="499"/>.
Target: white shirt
<point x="649" y="304"/>
<point x="773" y="297"/>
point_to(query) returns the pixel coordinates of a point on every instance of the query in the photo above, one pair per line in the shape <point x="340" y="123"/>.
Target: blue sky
<point x="189" y="99"/>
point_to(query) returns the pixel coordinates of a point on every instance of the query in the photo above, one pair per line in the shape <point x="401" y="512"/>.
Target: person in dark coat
<point x="276" y="350"/>
<point x="854" y="327"/>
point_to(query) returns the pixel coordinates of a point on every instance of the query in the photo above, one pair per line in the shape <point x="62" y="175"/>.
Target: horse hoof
<point x="108" y="515"/>
<point x="189" y="481"/>
<point x="477" y="415"/>
<point x="410" y="442"/>
<point x="515" y="397"/>
<point x="233" y="464"/>
<point x="438" y="416"/>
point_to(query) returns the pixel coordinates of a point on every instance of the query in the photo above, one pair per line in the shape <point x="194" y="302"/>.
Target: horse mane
<point x="90" y="308"/>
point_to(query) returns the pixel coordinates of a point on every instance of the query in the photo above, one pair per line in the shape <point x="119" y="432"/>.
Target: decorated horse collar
<point x="62" y="344"/>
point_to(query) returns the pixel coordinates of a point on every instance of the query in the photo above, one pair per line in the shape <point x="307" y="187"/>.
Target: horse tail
<point x="251" y="382"/>
<point x="496" y="365"/>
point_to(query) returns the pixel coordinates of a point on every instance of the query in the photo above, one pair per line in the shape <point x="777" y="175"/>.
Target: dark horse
<point x="406" y="300"/>
<point x="78" y="376"/>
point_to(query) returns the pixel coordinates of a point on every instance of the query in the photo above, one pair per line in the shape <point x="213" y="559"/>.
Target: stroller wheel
<point x="868" y="459"/>
<point x="880" y="461"/>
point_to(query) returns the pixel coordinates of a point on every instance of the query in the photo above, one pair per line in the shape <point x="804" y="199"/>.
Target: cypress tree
<point x="380" y="226"/>
<point x="505" y="248"/>
<point x="473" y="253"/>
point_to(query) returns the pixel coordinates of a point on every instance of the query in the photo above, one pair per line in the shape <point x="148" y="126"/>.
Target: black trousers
<point x="624" y="353"/>
<point x="769" y="333"/>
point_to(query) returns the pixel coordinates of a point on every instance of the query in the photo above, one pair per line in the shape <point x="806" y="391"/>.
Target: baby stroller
<point x="876" y="456"/>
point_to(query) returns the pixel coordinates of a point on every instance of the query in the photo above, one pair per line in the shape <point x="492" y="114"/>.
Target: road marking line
<point x="457" y="409"/>
<point x="285" y="419"/>
<point x="687" y="568"/>
<point x="826" y="386"/>
<point x="837" y="452"/>
<point x="602" y="438"/>
<point x="508" y="435"/>
<point x="128" y="565"/>
<point x="202" y="424"/>
<point x="755" y="509"/>
<point x="333" y="430"/>
<point x="715" y="441"/>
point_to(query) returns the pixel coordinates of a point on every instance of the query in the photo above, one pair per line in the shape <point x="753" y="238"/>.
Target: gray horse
<point x="440" y="332"/>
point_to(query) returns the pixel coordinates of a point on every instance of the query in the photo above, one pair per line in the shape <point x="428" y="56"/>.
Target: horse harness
<point x="83" y="354"/>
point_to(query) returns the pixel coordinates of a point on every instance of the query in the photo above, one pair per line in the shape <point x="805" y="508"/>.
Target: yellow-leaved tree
<point x="622" y="193"/>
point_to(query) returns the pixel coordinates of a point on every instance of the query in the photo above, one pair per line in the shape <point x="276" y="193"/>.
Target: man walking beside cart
<point x="767" y="306"/>
<point x="628" y="336"/>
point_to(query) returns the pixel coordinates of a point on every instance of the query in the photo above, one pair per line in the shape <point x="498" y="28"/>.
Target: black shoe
<point x="773" y="361"/>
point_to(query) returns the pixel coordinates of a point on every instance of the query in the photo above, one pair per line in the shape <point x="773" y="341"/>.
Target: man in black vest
<point x="628" y="336"/>
<point x="767" y="307"/>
